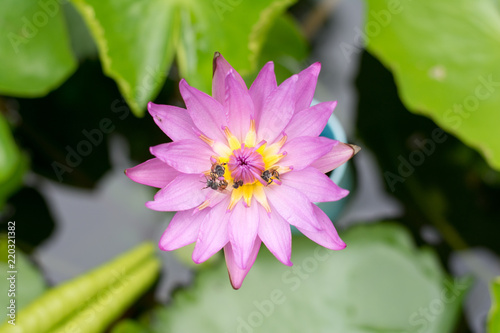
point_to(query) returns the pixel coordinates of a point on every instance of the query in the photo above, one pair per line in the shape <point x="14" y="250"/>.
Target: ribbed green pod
<point x="110" y="303"/>
<point x="57" y="304"/>
<point x="494" y="315"/>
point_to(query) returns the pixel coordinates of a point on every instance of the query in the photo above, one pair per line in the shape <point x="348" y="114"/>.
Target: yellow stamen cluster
<point x="270" y="155"/>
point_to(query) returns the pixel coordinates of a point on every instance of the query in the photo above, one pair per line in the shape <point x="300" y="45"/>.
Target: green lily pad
<point x="137" y="41"/>
<point x="235" y="28"/>
<point x="380" y="283"/>
<point x="36" y="55"/>
<point x="444" y="57"/>
<point x="286" y="46"/>
<point x="29" y="282"/>
<point x="494" y="316"/>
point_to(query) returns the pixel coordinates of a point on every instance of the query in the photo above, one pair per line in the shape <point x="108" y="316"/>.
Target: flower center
<point x="243" y="169"/>
<point x="246" y="164"/>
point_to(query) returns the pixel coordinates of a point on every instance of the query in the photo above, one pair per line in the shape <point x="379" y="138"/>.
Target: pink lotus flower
<point x="244" y="164"/>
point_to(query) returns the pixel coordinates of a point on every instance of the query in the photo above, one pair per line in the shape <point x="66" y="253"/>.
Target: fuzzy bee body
<point x="270" y="174"/>
<point x="238" y="183"/>
<point x="218" y="169"/>
<point x="215" y="180"/>
<point x="215" y="183"/>
<point x="211" y="183"/>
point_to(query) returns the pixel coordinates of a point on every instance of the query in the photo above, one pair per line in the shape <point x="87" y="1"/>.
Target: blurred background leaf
<point x="286" y="47"/>
<point x="237" y="29"/>
<point x="36" y="56"/>
<point x="13" y="163"/>
<point x="444" y="56"/>
<point x="449" y="181"/>
<point x="137" y="41"/>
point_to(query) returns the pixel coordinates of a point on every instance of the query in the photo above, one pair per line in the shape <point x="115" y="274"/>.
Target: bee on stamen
<point x="215" y="183"/>
<point x="218" y="169"/>
<point x="222" y="185"/>
<point x="238" y="183"/>
<point x="215" y="178"/>
<point x="270" y="174"/>
<point x="211" y="183"/>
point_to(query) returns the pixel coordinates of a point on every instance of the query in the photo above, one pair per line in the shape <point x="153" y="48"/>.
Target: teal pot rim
<point x="337" y="133"/>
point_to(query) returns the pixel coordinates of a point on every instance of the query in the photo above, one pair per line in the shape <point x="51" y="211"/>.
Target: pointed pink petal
<point x="293" y="206"/>
<point x="213" y="234"/>
<point x="243" y="225"/>
<point x="238" y="107"/>
<point x="207" y="114"/>
<point x="328" y="236"/>
<point x="306" y="84"/>
<point x="153" y="172"/>
<point x="264" y="84"/>
<point x="173" y="121"/>
<point x="304" y="150"/>
<point x="338" y="155"/>
<point x="275" y="233"/>
<point x="236" y="274"/>
<point x="182" y="230"/>
<point x="187" y="156"/>
<point x="221" y="68"/>
<point x="277" y="110"/>
<point x="215" y="197"/>
<point x="184" y="192"/>
<point x="310" y="122"/>
<point x="316" y="186"/>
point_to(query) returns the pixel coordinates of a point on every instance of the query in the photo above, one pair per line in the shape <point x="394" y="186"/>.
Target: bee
<point x="238" y="183"/>
<point x="215" y="178"/>
<point x="222" y="185"/>
<point x="270" y="174"/>
<point x="218" y="169"/>
<point x="212" y="183"/>
<point x="215" y="183"/>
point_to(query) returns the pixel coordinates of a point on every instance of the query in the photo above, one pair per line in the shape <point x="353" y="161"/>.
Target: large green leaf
<point x="380" y="283"/>
<point x="137" y="40"/>
<point x="237" y="29"/>
<point x="35" y="52"/>
<point x="9" y="153"/>
<point x="445" y="59"/>
<point x="494" y="316"/>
